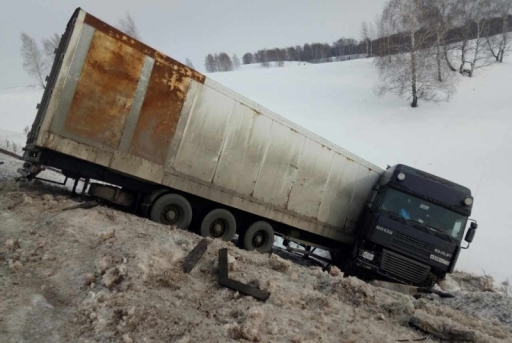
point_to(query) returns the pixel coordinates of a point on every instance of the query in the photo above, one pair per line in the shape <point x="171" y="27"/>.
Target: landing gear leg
<point x="73" y="191"/>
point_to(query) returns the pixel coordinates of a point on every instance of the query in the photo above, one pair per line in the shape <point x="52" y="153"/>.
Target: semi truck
<point x="170" y="144"/>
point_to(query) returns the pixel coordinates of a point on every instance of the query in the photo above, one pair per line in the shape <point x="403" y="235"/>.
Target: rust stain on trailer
<point x="160" y="112"/>
<point x="143" y="48"/>
<point x="165" y="96"/>
<point x="105" y="91"/>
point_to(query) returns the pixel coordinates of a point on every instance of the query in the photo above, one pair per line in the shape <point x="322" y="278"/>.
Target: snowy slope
<point x="18" y="107"/>
<point x="466" y="140"/>
<point x="11" y="136"/>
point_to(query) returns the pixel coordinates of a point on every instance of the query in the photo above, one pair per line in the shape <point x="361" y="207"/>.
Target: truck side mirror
<point x="474" y="225"/>
<point x="471" y="233"/>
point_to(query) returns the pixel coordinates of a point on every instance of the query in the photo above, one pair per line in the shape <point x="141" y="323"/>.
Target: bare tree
<point x="209" y="64"/>
<point x="189" y="63"/>
<point x="50" y="45"/>
<point x="15" y="148"/>
<point x="33" y="60"/>
<point x="410" y="69"/>
<point x="224" y="62"/>
<point x="262" y="57"/>
<point x="506" y="288"/>
<point x="236" y="61"/>
<point x="372" y="31"/>
<point x="291" y="54"/>
<point x="481" y="23"/>
<point x="500" y="44"/>
<point x="127" y="25"/>
<point x="463" y="20"/>
<point x="248" y="58"/>
<point x="365" y="34"/>
<point x="438" y="16"/>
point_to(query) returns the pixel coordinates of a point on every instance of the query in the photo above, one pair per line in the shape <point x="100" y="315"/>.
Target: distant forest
<point x="418" y="45"/>
<point x="374" y="42"/>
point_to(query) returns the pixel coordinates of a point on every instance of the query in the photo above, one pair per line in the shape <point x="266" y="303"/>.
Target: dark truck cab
<point x="412" y="228"/>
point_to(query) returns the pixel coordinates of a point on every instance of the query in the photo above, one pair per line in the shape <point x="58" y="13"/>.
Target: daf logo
<point x="443" y="253"/>
<point x="380" y="228"/>
<point x="439" y="259"/>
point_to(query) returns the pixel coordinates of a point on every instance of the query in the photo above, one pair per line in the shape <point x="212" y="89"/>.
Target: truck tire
<point x="219" y="223"/>
<point x="260" y="237"/>
<point x="172" y="209"/>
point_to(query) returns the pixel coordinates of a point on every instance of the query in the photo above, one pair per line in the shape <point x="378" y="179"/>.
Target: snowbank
<point x="103" y="275"/>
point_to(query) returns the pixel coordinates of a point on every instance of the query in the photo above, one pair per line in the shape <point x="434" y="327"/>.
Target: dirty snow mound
<point x="107" y="276"/>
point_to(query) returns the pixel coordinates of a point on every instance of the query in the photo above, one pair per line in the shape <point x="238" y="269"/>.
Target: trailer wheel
<point x="172" y="209"/>
<point x="260" y="237"/>
<point x="219" y="223"/>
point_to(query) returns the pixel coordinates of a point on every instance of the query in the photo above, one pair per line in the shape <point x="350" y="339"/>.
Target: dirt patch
<point x="99" y="275"/>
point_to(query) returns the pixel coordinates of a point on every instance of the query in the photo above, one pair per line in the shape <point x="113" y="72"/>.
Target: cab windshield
<point x="423" y="212"/>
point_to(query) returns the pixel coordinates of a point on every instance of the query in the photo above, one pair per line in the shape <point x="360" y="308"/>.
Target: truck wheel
<point x="172" y="209"/>
<point x="219" y="223"/>
<point x="260" y="237"/>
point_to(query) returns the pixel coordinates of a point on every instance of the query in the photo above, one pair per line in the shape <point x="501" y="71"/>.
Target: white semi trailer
<point x="187" y="151"/>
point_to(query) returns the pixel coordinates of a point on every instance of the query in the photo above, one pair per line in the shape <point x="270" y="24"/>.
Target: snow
<point x="18" y="107"/>
<point x="257" y="67"/>
<point x="466" y="140"/>
<point x="101" y="275"/>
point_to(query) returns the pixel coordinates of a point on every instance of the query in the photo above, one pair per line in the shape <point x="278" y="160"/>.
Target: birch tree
<point x="500" y="44"/>
<point x="127" y="25"/>
<point x="209" y="64"/>
<point x="438" y="16"/>
<point x="409" y="70"/>
<point x="365" y="34"/>
<point x="189" y="63"/>
<point x="481" y="21"/>
<point x="33" y="59"/>
<point x="50" y="45"/>
<point x="236" y="61"/>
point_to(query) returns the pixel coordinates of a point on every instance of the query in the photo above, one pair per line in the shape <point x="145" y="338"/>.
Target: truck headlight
<point x="468" y="201"/>
<point x="367" y="255"/>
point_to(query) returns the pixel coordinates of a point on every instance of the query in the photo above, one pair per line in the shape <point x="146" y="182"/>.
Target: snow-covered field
<point x="466" y="140"/>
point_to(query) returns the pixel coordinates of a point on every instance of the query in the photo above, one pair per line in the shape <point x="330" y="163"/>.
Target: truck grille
<point x="403" y="267"/>
<point x="411" y="245"/>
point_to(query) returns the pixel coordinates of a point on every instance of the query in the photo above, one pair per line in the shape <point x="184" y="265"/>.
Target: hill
<point x="466" y="140"/>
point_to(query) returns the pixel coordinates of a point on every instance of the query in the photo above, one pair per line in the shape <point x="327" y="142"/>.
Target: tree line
<point x="420" y="43"/>
<point x="309" y="52"/>
<point x="221" y="62"/>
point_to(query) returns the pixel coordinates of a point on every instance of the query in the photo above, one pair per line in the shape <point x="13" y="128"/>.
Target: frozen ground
<point x="101" y="275"/>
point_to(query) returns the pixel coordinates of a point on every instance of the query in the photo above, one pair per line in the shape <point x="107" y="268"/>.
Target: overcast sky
<point x="188" y="28"/>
